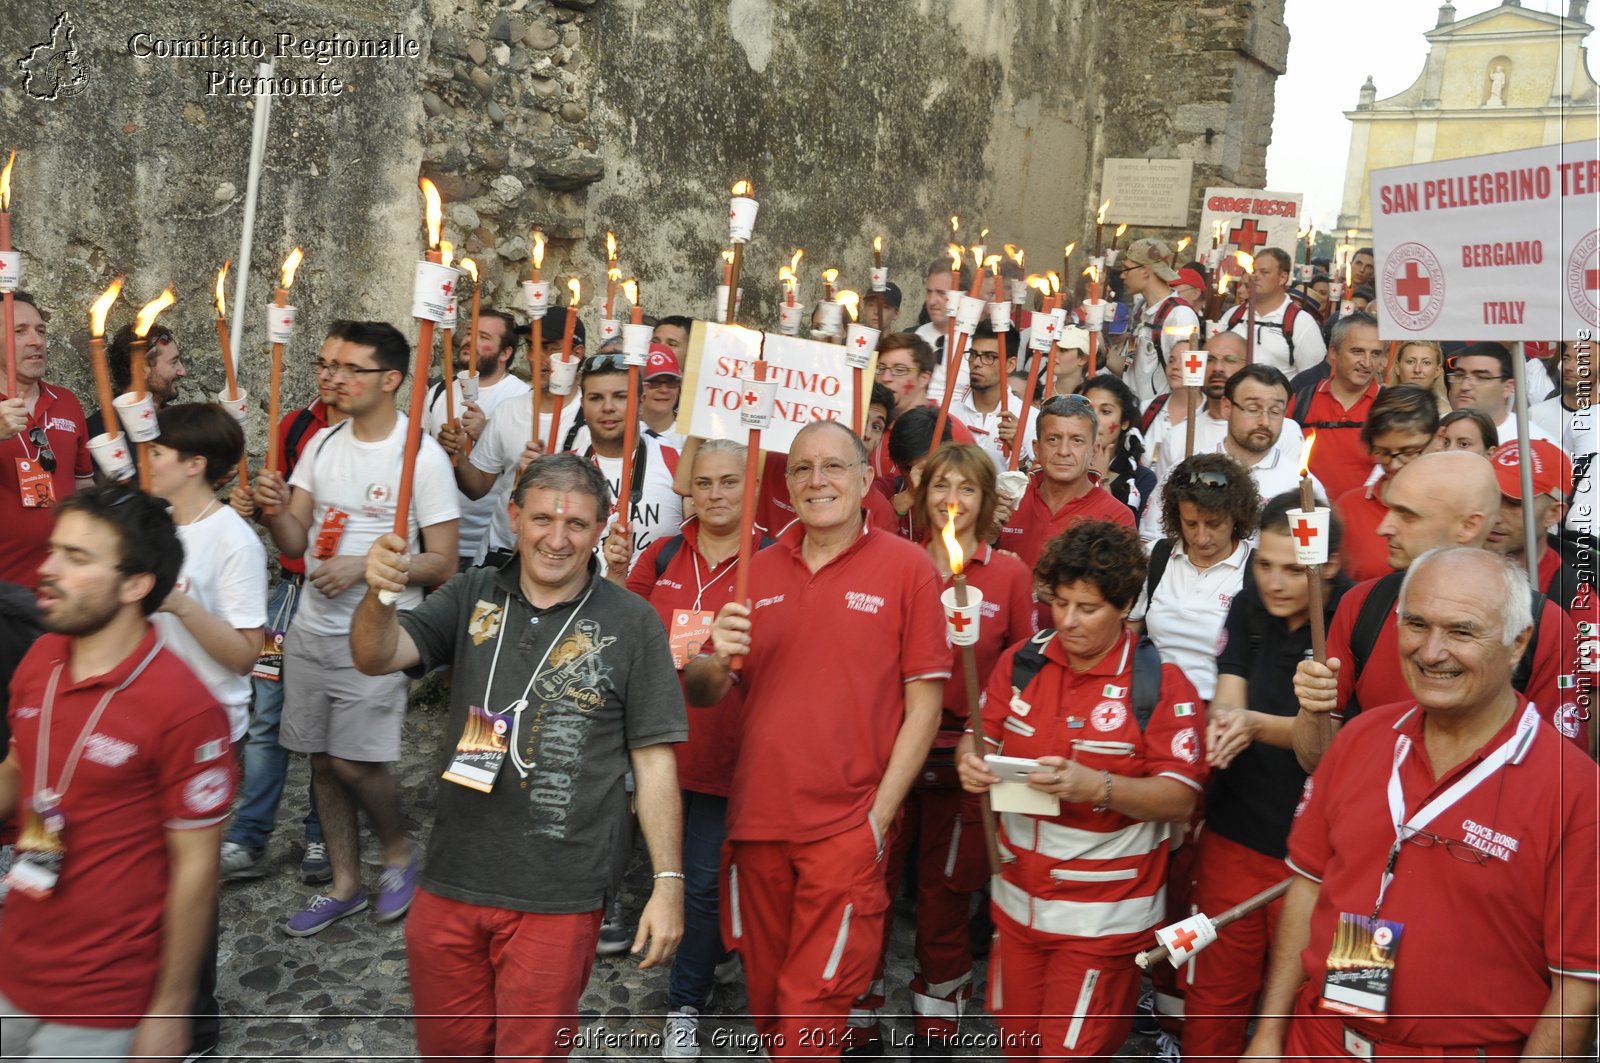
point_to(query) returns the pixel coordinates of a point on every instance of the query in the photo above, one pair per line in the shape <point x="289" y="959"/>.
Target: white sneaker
<point x="237" y="862"/>
<point x="1167" y="1048"/>
<point x="681" y="1038"/>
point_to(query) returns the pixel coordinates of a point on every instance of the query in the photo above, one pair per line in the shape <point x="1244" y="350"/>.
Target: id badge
<point x="1361" y="966"/>
<point x="330" y="534"/>
<point x="36" y="487"/>
<point x="689" y="634"/>
<point x="269" y="663"/>
<point x="37" y="866"/>
<point x="481" y="751"/>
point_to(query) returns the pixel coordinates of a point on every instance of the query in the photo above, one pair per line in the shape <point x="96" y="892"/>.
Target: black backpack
<point x="1029" y="661"/>
<point x="1379" y="606"/>
<point x="1300" y="409"/>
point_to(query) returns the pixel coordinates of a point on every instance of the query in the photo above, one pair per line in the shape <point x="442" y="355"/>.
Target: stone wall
<point x="852" y="118"/>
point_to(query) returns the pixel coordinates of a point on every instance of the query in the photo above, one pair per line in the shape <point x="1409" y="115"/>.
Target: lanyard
<point x="700" y="582"/>
<point x="1511" y="750"/>
<point x="45" y="797"/>
<point x="533" y="674"/>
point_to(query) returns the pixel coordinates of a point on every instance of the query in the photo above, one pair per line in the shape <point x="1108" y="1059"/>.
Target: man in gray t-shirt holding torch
<point x="562" y="681"/>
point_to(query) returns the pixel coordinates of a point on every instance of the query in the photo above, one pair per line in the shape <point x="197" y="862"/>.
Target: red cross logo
<point x="751" y="398"/>
<point x="1414" y="287"/>
<point x="119" y="454"/>
<point x="1304" y="532"/>
<point x="1193" y="363"/>
<point x="1050" y="327"/>
<point x="957" y="621"/>
<point x="447" y="287"/>
<point x="1107" y="717"/>
<point x="145" y="415"/>
<point x="861" y="341"/>
<point x="1183" y="940"/>
<point x="287" y="322"/>
<point x="732" y="214"/>
<point x="1247" y="236"/>
<point x="538" y="297"/>
<point x="1591" y="280"/>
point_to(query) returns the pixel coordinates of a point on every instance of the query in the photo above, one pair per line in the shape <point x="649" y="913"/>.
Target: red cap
<point x="662" y="362"/>
<point x="1552" y="469"/>
<point x="1192" y="278"/>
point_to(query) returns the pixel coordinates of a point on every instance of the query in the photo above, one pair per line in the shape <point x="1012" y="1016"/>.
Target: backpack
<point x="670" y="548"/>
<point x="299" y="427"/>
<point x="1161" y="553"/>
<point x="1152" y="411"/>
<point x="1291" y="313"/>
<point x="1163" y="310"/>
<point x="1146" y="694"/>
<point x="1379" y="606"/>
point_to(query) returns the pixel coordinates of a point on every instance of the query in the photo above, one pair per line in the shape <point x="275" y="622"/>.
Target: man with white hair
<point x="1445" y="834"/>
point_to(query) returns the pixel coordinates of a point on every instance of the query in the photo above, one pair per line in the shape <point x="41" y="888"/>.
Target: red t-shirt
<point x="686" y="583"/>
<point x="1033" y="523"/>
<point x="1550" y="686"/>
<point x="1113" y="868"/>
<point x="1363" y="553"/>
<point x="157" y="761"/>
<point x="1339" y="459"/>
<point x="317" y="414"/>
<point x="27" y="536"/>
<point x="1481" y="942"/>
<point x="831" y="652"/>
<point x="1007" y="619"/>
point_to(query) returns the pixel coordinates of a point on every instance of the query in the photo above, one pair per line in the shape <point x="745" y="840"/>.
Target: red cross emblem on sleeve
<point x="957" y="621"/>
<point x="1183" y="940"/>
<point x="1304" y="532"/>
<point x="1415" y="287"/>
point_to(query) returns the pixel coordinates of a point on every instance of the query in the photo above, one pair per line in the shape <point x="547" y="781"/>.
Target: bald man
<point x="1450" y="498"/>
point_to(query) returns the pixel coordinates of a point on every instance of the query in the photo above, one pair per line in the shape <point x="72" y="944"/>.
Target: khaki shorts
<point x="330" y="707"/>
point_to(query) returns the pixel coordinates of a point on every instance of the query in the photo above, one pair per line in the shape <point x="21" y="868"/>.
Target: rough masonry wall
<point x="851" y="117"/>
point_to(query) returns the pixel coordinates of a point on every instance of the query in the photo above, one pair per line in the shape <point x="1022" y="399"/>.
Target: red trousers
<point x="1227" y="974"/>
<point x="1054" y="999"/>
<point x="807" y="918"/>
<point x="1317" y="1036"/>
<point x="494" y="984"/>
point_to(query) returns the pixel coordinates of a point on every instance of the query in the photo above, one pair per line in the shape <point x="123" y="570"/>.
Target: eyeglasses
<point x="1255" y="410"/>
<point x="47" y="457"/>
<point x="1479" y="376"/>
<point x="1458" y="849"/>
<point x="1073" y="404"/>
<point x="984" y="357"/>
<point x="899" y="372"/>
<point x="344" y="371"/>
<point x="801" y="471"/>
<point x="1203" y="479"/>
<point x="1383" y="455"/>
<point x="604" y="363"/>
<point x="325" y="367"/>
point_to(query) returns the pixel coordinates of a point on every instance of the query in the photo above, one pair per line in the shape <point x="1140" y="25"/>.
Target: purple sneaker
<point x="322" y="912"/>
<point x="395" y="889"/>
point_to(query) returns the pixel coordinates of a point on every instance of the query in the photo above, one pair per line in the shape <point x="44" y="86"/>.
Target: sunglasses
<point x="47" y="457"/>
<point x="1203" y="479"/>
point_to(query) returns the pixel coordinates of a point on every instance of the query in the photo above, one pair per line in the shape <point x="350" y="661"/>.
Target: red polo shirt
<point x="1555" y="660"/>
<point x="1363" y="553"/>
<point x="157" y="761"/>
<point x="27" y="536"/>
<point x="1033" y="523"/>
<point x="1007" y="619"/>
<point x="831" y="652"/>
<point x="1481" y="942"/>
<point x="1339" y="459"/>
<point x="687" y="583"/>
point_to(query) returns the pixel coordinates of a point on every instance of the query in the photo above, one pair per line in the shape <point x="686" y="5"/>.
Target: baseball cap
<point x="1552" y="469"/>
<point x="553" y="327"/>
<point x="1153" y="253"/>
<point x="1116" y="319"/>
<point x="1192" y="278"/>
<point x="890" y="294"/>
<point x="662" y="362"/>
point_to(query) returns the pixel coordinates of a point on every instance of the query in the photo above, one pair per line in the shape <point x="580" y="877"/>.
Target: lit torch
<point x="137" y="363"/>
<point x="97" y="353"/>
<point x="1247" y="266"/>
<point x="280" y="300"/>
<point x="536" y="334"/>
<point x="1099" y="225"/>
<point x="433" y="215"/>
<point x="12" y="266"/>
<point x="1311" y="529"/>
<point x="613" y="274"/>
<point x="575" y="287"/>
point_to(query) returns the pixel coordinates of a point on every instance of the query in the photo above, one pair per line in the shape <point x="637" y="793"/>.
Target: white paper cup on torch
<point x="636" y="344"/>
<point x="962" y="624"/>
<point x="563" y="375"/>
<point x="238" y="407"/>
<point x="112" y="455"/>
<point x="280" y="323"/>
<point x="1111" y="257"/>
<point x="138" y="416"/>
<point x="433" y="292"/>
<point x="789" y="318"/>
<point x="1000" y="316"/>
<point x="1309" y="529"/>
<point x="536" y="296"/>
<point x="830" y="318"/>
<point x="1042" y="332"/>
<point x="1194" y="368"/>
<point x="469" y="385"/>
<point x="756" y="399"/>
<point x="10" y="270"/>
<point x="859" y="343"/>
<point x="722" y="302"/>
<point x="742" y="218"/>
<point x="1335" y="291"/>
<point x="969" y="312"/>
<point x="1213" y="258"/>
<point x="610" y="329"/>
<point x="1011" y="484"/>
<point x="1186" y="938"/>
<point x="1059" y="316"/>
<point x="1346" y="307"/>
<point x="1019" y="292"/>
<point x="880" y="278"/>
<point x="1094" y="313"/>
<point x="1307" y="271"/>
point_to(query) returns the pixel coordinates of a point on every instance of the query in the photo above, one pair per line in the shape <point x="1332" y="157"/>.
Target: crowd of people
<point x="1151" y="726"/>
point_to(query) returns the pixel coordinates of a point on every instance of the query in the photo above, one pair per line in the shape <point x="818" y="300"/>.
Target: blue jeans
<point x="266" y="763"/>
<point x="694" y="968"/>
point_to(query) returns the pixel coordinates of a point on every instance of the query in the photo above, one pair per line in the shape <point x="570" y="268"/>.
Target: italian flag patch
<point x="1566" y="682"/>
<point x="1183" y="708"/>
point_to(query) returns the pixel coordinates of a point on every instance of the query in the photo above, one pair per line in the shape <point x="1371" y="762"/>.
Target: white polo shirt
<point x="1272" y="349"/>
<point x="475" y="515"/>
<point x="497" y="451"/>
<point x="1277" y="471"/>
<point x="985" y="428"/>
<point x="1186" y="618"/>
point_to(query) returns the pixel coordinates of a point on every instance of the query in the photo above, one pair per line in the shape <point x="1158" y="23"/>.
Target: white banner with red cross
<point x="1247" y="219"/>
<point x="813" y="384"/>
<point x="1492" y="247"/>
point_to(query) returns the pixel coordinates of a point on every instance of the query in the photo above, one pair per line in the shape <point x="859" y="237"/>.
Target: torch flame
<point x="850" y="301"/>
<point x="983" y="233"/>
<point x="1055" y="282"/>
<point x="538" y="249"/>
<point x="611" y="246"/>
<point x="290" y="264"/>
<point x="613" y="274"/>
<point x="786" y="275"/>
<point x="435" y="211"/>
<point x="830" y="275"/>
<point x="1066" y="252"/>
<point x="1121" y="229"/>
<point x="992" y="263"/>
<point x="1039" y="282"/>
<point x="1184" y="243"/>
<point x="952" y="545"/>
<point x="744" y="188"/>
<point x="471" y="267"/>
<point x="1100" y="217"/>
<point x="794" y="260"/>
<point x="1222" y="283"/>
<point x="447" y="251"/>
<point x="877" y="244"/>
<point x="1301" y="234"/>
<point x="5" y="182"/>
<point x="576" y="288"/>
<point x="727" y="256"/>
<point x="1246" y="262"/>
<point x="1305" y="450"/>
<point x="630" y="288"/>
<point x="956" y="251"/>
<point x="1350" y="234"/>
<point x="102" y="306"/>
<point x="147" y="315"/>
<point x="1014" y="253"/>
<point x="955" y="223"/>
<point x="222" y="303"/>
